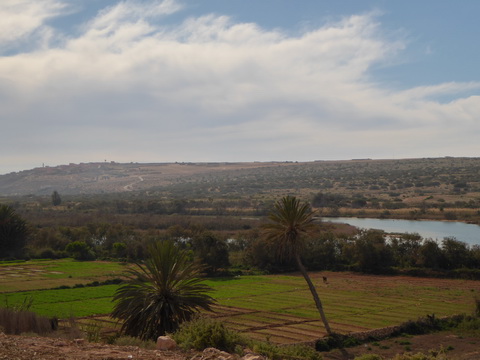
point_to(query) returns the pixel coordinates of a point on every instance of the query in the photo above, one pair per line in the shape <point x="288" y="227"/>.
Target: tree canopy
<point x="13" y="232"/>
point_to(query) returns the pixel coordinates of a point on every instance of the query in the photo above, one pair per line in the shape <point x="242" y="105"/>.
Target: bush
<point x="80" y="250"/>
<point x="470" y="325"/>
<point x="202" y="333"/>
<point x="285" y="352"/>
<point x="16" y="322"/>
<point x="336" y="341"/>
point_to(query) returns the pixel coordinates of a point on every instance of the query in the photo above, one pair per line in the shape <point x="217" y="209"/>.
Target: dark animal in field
<point x="325" y="280"/>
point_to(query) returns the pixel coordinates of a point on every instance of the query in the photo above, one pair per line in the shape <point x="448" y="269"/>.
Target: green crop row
<point x="274" y="297"/>
<point x="65" y="302"/>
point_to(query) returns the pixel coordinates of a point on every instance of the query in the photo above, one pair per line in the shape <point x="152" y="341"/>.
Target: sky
<point x="237" y="80"/>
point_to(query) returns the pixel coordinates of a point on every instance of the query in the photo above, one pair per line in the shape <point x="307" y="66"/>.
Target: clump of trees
<point x="373" y="251"/>
<point x="13" y="232"/>
<point x="224" y="244"/>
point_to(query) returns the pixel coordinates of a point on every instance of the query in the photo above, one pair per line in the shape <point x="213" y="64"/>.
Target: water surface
<point x="468" y="233"/>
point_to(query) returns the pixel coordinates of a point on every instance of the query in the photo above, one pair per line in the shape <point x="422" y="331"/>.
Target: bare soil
<point x="454" y="347"/>
<point x="43" y="348"/>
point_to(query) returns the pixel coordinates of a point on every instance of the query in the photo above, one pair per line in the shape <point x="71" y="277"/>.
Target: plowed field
<point x="275" y="307"/>
<point x="352" y="302"/>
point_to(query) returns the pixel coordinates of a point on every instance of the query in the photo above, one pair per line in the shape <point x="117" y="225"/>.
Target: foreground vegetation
<point x="202" y="333"/>
<point x="161" y="294"/>
<point x="277" y="307"/>
<point x="219" y="221"/>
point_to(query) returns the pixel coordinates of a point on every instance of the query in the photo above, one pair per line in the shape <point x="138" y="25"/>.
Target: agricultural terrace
<point x="47" y="274"/>
<point x="274" y="307"/>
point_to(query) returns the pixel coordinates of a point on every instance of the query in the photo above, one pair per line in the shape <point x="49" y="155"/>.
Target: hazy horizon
<point x="225" y="162"/>
<point x="222" y="81"/>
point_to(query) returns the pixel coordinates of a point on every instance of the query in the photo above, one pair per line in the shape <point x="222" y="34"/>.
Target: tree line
<point x="239" y="247"/>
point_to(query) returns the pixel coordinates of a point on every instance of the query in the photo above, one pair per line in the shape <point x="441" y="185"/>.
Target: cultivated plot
<point x="274" y="307"/>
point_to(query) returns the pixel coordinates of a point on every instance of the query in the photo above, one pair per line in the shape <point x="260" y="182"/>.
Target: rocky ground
<point x="44" y="348"/>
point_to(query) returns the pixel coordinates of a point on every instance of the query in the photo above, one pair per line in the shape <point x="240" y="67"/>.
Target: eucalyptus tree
<point x="161" y="293"/>
<point x="56" y="199"/>
<point x="290" y="222"/>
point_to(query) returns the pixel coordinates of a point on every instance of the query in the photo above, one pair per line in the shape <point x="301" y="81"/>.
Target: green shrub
<point x="470" y="325"/>
<point x="275" y="352"/>
<point x="336" y="341"/>
<point x="92" y="331"/>
<point x="202" y="333"/>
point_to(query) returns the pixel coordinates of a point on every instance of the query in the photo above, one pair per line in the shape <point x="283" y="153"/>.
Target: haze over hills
<point x="412" y="177"/>
<point x="93" y="178"/>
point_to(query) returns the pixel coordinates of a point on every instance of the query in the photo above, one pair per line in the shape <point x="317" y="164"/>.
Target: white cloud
<point x="20" y="18"/>
<point x="203" y="88"/>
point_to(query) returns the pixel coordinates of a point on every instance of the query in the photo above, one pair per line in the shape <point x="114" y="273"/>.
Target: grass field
<point x="277" y="307"/>
<point x="47" y="274"/>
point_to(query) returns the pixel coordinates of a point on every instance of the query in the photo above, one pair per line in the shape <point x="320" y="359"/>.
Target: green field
<point x="277" y="306"/>
<point x="47" y="274"/>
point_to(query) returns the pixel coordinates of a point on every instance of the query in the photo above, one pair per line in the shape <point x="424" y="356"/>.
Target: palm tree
<point x="290" y="222"/>
<point x="161" y="294"/>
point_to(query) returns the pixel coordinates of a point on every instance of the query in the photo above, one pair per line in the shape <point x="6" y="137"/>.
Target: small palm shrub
<point x="161" y="294"/>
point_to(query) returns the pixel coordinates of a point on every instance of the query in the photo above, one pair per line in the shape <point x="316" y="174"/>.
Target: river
<point x="469" y="233"/>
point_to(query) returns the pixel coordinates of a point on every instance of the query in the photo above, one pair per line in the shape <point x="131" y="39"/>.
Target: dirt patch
<point x="455" y="347"/>
<point x="40" y="348"/>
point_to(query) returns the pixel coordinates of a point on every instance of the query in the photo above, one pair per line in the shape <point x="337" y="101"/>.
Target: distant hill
<point x="94" y="178"/>
<point x="455" y="179"/>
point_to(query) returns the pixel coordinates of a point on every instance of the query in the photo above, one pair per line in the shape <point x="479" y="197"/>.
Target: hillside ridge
<point x="112" y="177"/>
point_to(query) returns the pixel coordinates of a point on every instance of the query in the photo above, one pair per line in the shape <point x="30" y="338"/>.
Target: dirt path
<point x="129" y="187"/>
<point x="42" y="348"/>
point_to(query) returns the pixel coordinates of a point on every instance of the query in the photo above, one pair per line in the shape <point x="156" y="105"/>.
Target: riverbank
<point x="465" y="215"/>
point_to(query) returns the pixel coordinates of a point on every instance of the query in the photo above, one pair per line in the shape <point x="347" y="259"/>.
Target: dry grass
<point x="16" y="322"/>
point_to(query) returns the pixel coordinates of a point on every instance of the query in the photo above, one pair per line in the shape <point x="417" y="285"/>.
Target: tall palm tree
<point x="161" y="294"/>
<point x="290" y="222"/>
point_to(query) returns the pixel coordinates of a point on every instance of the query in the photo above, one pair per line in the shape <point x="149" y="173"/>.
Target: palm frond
<point x="290" y="221"/>
<point x="161" y="293"/>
